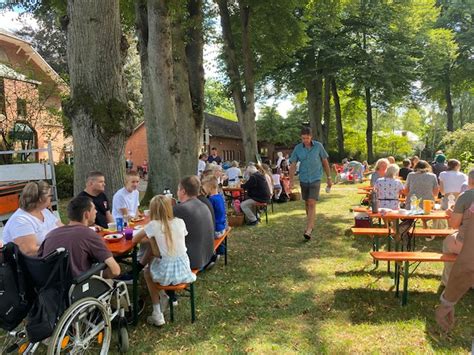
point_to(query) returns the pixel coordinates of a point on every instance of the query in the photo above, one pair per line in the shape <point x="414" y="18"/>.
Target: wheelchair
<point x="93" y="305"/>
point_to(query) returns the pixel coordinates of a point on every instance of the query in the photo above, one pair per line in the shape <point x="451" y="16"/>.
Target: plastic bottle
<point x="451" y="201"/>
<point x="374" y="202"/>
<point x="328" y="189"/>
<point x="413" y="200"/>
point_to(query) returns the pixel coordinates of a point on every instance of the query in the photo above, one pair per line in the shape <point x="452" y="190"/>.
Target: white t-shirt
<point x="22" y="223"/>
<point x="125" y="199"/>
<point x="452" y="181"/>
<point x="233" y="174"/>
<point x="201" y="167"/>
<point x="276" y="179"/>
<point x="154" y="229"/>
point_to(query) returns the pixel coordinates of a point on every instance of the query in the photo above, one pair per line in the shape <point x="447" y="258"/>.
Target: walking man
<point x="313" y="158"/>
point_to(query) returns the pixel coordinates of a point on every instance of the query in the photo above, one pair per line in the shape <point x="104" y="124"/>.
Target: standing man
<point x="95" y="187"/>
<point x="126" y="200"/>
<point x="214" y="157"/>
<point x="313" y="158"/>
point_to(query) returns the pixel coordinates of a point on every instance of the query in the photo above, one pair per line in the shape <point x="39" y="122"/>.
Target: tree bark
<point x="337" y="111"/>
<point x="195" y="60"/>
<point x="97" y="108"/>
<point x="314" y="89"/>
<point x="369" y="131"/>
<point x="244" y="100"/>
<point x="186" y="124"/>
<point x="155" y="40"/>
<point x="327" y="110"/>
<point x="449" y="108"/>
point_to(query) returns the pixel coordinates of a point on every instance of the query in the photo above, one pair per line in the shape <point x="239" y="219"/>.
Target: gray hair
<point x="470" y="174"/>
<point x="252" y="169"/>
<point x="392" y="171"/>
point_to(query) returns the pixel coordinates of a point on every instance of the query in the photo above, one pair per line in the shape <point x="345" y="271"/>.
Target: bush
<point x="64" y="180"/>
<point x="460" y="142"/>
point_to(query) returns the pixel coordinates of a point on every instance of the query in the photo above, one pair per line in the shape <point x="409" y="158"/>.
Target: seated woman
<point x="380" y="168"/>
<point x="170" y="265"/>
<point x="389" y="188"/>
<point x="257" y="191"/>
<point x="451" y="182"/>
<point x="28" y="226"/>
<point x="421" y="183"/>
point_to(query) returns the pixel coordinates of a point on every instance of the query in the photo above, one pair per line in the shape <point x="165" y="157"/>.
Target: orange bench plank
<point x="220" y="240"/>
<point x="175" y="287"/>
<point x="419" y="232"/>
<point x="412" y="256"/>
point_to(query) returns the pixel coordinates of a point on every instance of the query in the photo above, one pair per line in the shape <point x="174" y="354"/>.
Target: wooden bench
<point x="416" y="258"/>
<point x="189" y="288"/>
<point x="418" y="232"/>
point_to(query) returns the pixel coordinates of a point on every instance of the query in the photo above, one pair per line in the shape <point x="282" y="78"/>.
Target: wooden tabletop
<point x="438" y="214"/>
<point x="123" y="246"/>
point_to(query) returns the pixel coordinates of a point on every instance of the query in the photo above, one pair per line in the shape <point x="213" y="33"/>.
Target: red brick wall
<point x="136" y="147"/>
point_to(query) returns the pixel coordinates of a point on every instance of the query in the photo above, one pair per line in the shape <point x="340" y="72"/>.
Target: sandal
<point x="307" y="235"/>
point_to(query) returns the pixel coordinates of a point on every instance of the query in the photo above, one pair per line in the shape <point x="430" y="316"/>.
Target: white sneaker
<point x="156" y="319"/>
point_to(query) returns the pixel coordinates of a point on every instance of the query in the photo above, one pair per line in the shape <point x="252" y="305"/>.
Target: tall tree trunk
<point x="244" y="100"/>
<point x="337" y="111"/>
<point x="154" y="32"/>
<point x="314" y="89"/>
<point x="194" y="55"/>
<point x="369" y="132"/>
<point x="97" y="108"/>
<point x="186" y="123"/>
<point x="327" y="110"/>
<point x="449" y="108"/>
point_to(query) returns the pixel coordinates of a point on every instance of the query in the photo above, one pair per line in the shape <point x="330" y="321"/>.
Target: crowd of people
<point x="180" y="235"/>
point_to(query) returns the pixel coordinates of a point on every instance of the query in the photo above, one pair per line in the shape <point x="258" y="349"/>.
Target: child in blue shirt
<point x="211" y="188"/>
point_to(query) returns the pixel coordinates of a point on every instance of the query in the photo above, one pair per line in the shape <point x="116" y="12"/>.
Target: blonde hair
<point x="33" y="194"/>
<point x="161" y="210"/>
<point x="380" y="163"/>
<point x="210" y="181"/>
<point x="392" y="171"/>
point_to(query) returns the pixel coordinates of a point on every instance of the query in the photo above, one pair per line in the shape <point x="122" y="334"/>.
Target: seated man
<point x="126" y="200"/>
<point x="85" y="246"/>
<point x="198" y="220"/>
<point x="257" y="191"/>
<point x="459" y="218"/>
<point x="95" y="187"/>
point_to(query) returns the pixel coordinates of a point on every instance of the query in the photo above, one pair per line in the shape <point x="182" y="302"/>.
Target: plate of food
<point x="114" y="237"/>
<point x="139" y="227"/>
<point x="137" y="219"/>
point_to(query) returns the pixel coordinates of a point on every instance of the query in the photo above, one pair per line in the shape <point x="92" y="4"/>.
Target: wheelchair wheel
<point x="84" y="328"/>
<point x="123" y="341"/>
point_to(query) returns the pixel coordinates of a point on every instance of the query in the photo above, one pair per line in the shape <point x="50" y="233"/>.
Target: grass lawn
<point x="280" y="294"/>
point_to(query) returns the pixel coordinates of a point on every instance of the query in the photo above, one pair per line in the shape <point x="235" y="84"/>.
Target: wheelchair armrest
<point x="95" y="269"/>
<point x="53" y="254"/>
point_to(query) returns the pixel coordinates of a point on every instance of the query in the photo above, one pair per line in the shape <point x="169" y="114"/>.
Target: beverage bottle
<point x="413" y="200"/>
<point x="119" y="222"/>
<point x="451" y="201"/>
<point x="374" y="202"/>
<point x="328" y="189"/>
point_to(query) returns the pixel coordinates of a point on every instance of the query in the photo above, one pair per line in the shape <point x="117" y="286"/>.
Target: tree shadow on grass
<point x="380" y="272"/>
<point x="372" y="306"/>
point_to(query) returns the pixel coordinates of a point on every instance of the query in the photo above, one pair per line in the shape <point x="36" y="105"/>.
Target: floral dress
<point x="388" y="190"/>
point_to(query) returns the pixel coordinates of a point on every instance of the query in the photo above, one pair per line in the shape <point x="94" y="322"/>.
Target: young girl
<point x="170" y="265"/>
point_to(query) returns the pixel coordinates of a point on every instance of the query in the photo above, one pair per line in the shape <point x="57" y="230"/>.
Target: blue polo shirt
<point x="311" y="166"/>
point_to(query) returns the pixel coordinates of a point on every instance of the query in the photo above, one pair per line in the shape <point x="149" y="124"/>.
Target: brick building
<point x="30" y="99"/>
<point x="223" y="134"/>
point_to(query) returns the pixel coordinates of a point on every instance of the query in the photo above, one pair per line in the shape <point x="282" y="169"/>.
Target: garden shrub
<point x="64" y="180"/>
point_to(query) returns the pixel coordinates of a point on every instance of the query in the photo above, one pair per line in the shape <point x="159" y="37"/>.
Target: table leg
<point x="135" y="286"/>
<point x="405" y="283"/>
<point x="225" y="252"/>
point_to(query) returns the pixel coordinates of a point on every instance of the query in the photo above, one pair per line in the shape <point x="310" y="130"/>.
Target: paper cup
<point x="112" y="226"/>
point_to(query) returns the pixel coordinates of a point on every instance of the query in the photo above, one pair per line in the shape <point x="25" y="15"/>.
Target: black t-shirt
<point x="217" y="159"/>
<point x="403" y="173"/>
<point x="257" y="188"/>
<point x="102" y="205"/>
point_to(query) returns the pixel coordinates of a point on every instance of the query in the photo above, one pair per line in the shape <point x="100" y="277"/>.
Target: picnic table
<point x="122" y="250"/>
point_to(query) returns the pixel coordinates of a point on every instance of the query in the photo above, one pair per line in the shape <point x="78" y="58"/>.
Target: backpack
<point x="14" y="299"/>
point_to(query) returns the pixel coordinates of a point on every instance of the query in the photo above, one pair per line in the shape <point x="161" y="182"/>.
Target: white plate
<point x="114" y="236"/>
<point x="137" y="228"/>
